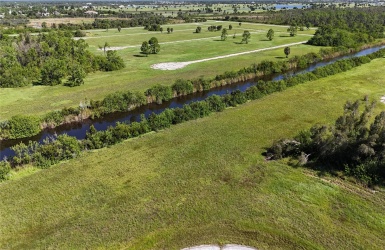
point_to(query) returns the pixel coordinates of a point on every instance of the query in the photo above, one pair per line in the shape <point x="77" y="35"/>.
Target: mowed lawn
<point x="204" y="181"/>
<point x="138" y="75"/>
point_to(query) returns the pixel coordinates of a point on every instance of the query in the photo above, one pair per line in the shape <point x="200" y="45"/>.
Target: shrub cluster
<point x="143" y="19"/>
<point x="352" y="145"/>
<point x="44" y="59"/>
<point x="20" y="126"/>
<point x="52" y="151"/>
<point x="330" y="36"/>
<point x="117" y="102"/>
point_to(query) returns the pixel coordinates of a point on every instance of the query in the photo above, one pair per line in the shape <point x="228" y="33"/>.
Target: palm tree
<point x="104" y="47"/>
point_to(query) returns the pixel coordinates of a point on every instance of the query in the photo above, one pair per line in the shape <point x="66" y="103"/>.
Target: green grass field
<point x="138" y="76"/>
<point x="194" y="9"/>
<point x="203" y="182"/>
<point x="173" y="9"/>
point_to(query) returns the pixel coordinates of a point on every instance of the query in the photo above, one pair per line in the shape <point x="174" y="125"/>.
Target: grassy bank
<point x="204" y="181"/>
<point x="138" y="75"/>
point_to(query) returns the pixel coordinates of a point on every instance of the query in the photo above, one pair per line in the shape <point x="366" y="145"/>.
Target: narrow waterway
<point x="79" y="130"/>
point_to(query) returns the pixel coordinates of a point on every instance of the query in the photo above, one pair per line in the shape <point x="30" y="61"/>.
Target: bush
<point x="54" y="117"/>
<point x="79" y="33"/>
<point x="215" y="103"/>
<point x="5" y="168"/>
<point x="112" y="62"/>
<point x="160" y="93"/>
<point x="21" y="126"/>
<point x="182" y="87"/>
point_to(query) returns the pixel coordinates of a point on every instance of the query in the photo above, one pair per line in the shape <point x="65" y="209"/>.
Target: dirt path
<point x="179" y="65"/>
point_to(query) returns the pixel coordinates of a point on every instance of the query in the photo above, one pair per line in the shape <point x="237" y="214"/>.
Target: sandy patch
<point x="382" y="99"/>
<point x="179" y="65"/>
<point x="171" y="65"/>
<point x="225" y="247"/>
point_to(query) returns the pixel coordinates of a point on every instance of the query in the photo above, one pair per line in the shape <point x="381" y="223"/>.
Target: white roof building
<point x="91" y="12"/>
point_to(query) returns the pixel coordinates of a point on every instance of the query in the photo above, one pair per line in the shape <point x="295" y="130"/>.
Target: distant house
<point x="42" y="14"/>
<point x="121" y="6"/>
<point x="91" y="13"/>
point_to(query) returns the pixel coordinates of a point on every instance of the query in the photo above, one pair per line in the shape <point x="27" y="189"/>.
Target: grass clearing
<point x="204" y="182"/>
<point x="138" y="75"/>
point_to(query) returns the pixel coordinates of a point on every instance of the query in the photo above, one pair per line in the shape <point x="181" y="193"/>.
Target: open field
<point x="173" y="9"/>
<point x="50" y="21"/>
<point x="204" y="182"/>
<point x="182" y="45"/>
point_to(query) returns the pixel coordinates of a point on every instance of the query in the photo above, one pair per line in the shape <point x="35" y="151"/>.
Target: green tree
<point x="114" y="62"/>
<point x="287" y="51"/>
<point x="119" y="28"/>
<point x="161" y="29"/>
<point x="104" y="47"/>
<point x="145" y="48"/>
<point x="21" y="126"/>
<point x="107" y="24"/>
<point x="230" y="27"/>
<point x="246" y="37"/>
<point x="270" y="34"/>
<point x="168" y="30"/>
<point x="154" y="45"/>
<point x="53" y="71"/>
<point x="77" y="75"/>
<point x="198" y="29"/>
<point x="224" y="35"/>
<point x="292" y="30"/>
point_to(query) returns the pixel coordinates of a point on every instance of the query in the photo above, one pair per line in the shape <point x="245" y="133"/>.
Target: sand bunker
<point x="215" y="247"/>
<point x="382" y="99"/>
<point x="179" y="65"/>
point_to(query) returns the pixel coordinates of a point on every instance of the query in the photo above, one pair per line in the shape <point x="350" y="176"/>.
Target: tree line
<point x="135" y="20"/>
<point x="64" y="147"/>
<point x="349" y="27"/>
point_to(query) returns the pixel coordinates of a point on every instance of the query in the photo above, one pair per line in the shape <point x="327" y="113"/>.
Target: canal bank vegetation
<point x="125" y="101"/>
<point x="354" y="145"/>
<point x="205" y="181"/>
<point x="55" y="150"/>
